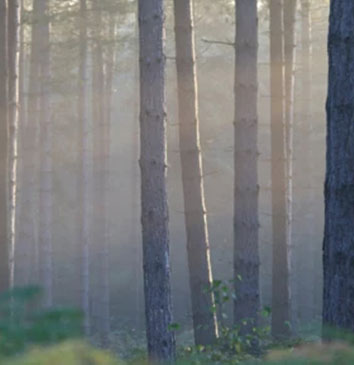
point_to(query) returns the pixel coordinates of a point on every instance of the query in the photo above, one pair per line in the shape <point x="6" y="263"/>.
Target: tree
<point x="4" y="256"/>
<point x="200" y="272"/>
<point x="289" y="12"/>
<point x="280" y="272"/>
<point x="246" y="254"/>
<point x="154" y="215"/>
<point x="45" y="173"/>
<point x="338" y="247"/>
<point x="84" y="158"/>
<point x="14" y="10"/>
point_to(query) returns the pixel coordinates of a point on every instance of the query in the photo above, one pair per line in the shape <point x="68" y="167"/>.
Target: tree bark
<point x="154" y="215"/>
<point x="46" y="173"/>
<point x="4" y="254"/>
<point x="289" y="13"/>
<point x="83" y="181"/>
<point x="246" y="189"/>
<point x="13" y="115"/>
<point x="200" y="272"/>
<point x="280" y="272"/>
<point x="338" y="248"/>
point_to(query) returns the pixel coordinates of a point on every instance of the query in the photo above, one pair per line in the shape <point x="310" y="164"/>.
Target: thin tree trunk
<point x="45" y="183"/>
<point x="200" y="273"/>
<point x="4" y="254"/>
<point x="338" y="258"/>
<point x="280" y="272"/>
<point x="154" y="215"/>
<point x="84" y="159"/>
<point x="28" y="225"/>
<point x="13" y="89"/>
<point x="246" y="224"/>
<point x="289" y="13"/>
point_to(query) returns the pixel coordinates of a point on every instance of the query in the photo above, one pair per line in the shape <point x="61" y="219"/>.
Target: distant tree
<point x="289" y="16"/>
<point x="154" y="215"/>
<point x="4" y="254"/>
<point x="338" y="254"/>
<point x="46" y="164"/>
<point x="280" y="272"/>
<point x="14" y="18"/>
<point x="246" y="225"/>
<point x="83" y="176"/>
<point x="200" y="271"/>
<point x="30" y="158"/>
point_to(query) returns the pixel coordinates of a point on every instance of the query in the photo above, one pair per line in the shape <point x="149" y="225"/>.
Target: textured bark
<point x="198" y="250"/>
<point x="154" y="215"/>
<point x="338" y="258"/>
<point x="4" y="254"/>
<point x="289" y="12"/>
<point x="45" y="173"/>
<point x="13" y="120"/>
<point x="246" y="224"/>
<point x="280" y="272"/>
<point x="83" y="180"/>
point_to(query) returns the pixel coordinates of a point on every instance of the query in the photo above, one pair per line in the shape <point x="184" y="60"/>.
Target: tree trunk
<point x="4" y="254"/>
<point x="338" y="258"/>
<point x="200" y="273"/>
<point x="154" y="215"/>
<point x="13" y="89"/>
<point x="246" y="224"/>
<point x="29" y="201"/>
<point x="280" y="273"/>
<point x="83" y="181"/>
<point x="289" y="13"/>
<point x="45" y="174"/>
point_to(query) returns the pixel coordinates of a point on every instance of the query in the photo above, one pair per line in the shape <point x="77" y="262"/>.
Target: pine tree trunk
<point x="13" y="89"/>
<point x="246" y="224"/>
<point x="29" y="196"/>
<point x="84" y="159"/>
<point x="280" y="272"/>
<point x="200" y="273"/>
<point x="45" y="174"/>
<point x="4" y="254"/>
<point x="338" y="258"/>
<point x="154" y="215"/>
<point x="289" y="13"/>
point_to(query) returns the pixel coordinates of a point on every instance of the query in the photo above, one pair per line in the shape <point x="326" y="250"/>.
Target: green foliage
<point x="68" y="353"/>
<point x="22" y="323"/>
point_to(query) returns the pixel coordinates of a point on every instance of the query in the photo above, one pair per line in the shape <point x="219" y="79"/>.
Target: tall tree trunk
<point x="280" y="272"/>
<point x="200" y="273"/>
<point x="45" y="183"/>
<point x="4" y="254"/>
<point x="307" y="305"/>
<point x="338" y="258"/>
<point x="246" y="224"/>
<point x="29" y="201"/>
<point x="84" y="159"/>
<point x="13" y="89"/>
<point x="289" y="13"/>
<point x="154" y="215"/>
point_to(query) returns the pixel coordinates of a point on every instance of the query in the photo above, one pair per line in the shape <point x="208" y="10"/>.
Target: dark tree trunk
<point x="13" y="120"/>
<point x="280" y="273"/>
<point x="338" y="250"/>
<point x="246" y="252"/>
<point x="4" y="255"/>
<point x="200" y="272"/>
<point x="154" y="215"/>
